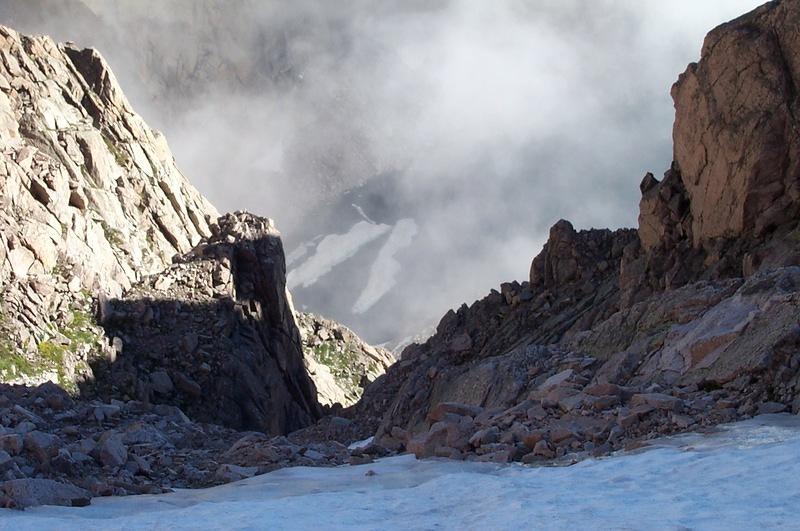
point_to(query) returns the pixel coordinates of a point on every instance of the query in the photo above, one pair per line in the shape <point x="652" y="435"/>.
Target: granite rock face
<point x="736" y="128"/>
<point x="91" y="202"/>
<point x="729" y="205"/>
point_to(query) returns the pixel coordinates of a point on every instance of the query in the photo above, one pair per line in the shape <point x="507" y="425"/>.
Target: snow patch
<point x="745" y="476"/>
<point x="332" y="251"/>
<point x="384" y="270"/>
<point x="301" y="251"/>
<point x="362" y="213"/>
<point x="358" y="445"/>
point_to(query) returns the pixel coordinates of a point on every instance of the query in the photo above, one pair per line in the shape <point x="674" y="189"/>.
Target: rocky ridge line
<point x="617" y="338"/>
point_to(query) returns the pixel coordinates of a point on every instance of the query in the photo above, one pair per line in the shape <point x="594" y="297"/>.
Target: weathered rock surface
<point x="736" y="126"/>
<point x="215" y="334"/>
<point x="729" y="206"/>
<point x="490" y="340"/>
<point x="58" y="451"/>
<point x="340" y="363"/>
<point x="706" y="353"/>
<point x="29" y="492"/>
<point x="620" y="337"/>
<point x="91" y="202"/>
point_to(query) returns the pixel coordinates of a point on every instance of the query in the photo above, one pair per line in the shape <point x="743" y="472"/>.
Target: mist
<point x="468" y="127"/>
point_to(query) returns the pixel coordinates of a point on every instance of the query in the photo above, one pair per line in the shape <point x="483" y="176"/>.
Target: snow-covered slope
<point x="746" y="476"/>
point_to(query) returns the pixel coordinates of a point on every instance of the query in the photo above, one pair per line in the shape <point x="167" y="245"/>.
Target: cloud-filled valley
<point x="479" y="123"/>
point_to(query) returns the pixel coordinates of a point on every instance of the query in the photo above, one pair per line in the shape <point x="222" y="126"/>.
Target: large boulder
<point x="29" y="492"/>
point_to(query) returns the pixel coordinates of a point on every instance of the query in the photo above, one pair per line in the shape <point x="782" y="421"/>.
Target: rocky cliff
<point x="92" y="202"/>
<point x="617" y="337"/>
<point x="729" y="204"/>
<point x="120" y="279"/>
<point x="123" y="285"/>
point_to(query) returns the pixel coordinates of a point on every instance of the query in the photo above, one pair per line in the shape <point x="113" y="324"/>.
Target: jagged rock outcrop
<point x="215" y="333"/>
<point x="194" y="310"/>
<point x="91" y="202"/>
<point x="339" y="362"/>
<point x="708" y="352"/>
<point x="736" y="127"/>
<point x="570" y="257"/>
<point x="729" y="205"/>
<point x="479" y="354"/>
<point x="619" y="337"/>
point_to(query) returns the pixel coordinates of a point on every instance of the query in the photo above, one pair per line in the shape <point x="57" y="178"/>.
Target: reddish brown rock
<point x="658" y="401"/>
<point x="534" y="437"/>
<point x="542" y="449"/>
<point x="736" y="127"/>
<point x="571" y="256"/>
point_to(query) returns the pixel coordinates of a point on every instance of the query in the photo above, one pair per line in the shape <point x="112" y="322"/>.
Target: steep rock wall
<point x="91" y="202"/>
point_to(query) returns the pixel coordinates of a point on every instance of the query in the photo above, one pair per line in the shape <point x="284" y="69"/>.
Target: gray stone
<point x="111" y="451"/>
<point x="42" y="446"/>
<point x="771" y="407"/>
<point x="106" y="412"/>
<point x="658" y="401"/>
<point x="556" y="380"/>
<point x="227" y="473"/>
<point x="31" y="492"/>
<point x="161" y="382"/>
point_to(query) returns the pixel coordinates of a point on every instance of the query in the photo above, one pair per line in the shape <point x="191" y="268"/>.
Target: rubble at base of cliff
<point x="59" y="450"/>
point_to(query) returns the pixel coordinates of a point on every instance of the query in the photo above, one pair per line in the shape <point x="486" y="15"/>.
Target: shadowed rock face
<point x="215" y="334"/>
